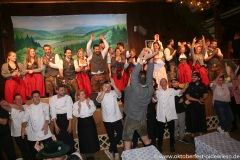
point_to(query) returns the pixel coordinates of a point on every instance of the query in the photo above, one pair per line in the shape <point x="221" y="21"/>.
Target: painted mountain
<point x="73" y="37"/>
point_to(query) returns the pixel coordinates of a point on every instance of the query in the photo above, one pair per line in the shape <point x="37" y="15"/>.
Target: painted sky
<point x="67" y="21"/>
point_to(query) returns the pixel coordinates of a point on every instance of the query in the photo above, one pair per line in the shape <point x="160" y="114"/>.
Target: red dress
<point x="119" y="75"/>
<point x="120" y="79"/>
<point x="14" y="85"/>
<point x="83" y="80"/>
<point x="184" y="73"/>
<point x="34" y="81"/>
<point x="203" y="73"/>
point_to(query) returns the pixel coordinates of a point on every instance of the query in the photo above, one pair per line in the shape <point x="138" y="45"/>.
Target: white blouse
<point x="61" y="106"/>
<point x="84" y="111"/>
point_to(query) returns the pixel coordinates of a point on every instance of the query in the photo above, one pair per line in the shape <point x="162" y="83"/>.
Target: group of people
<point x="147" y="85"/>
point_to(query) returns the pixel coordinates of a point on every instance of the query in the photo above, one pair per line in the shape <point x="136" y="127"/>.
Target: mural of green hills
<point x="70" y="37"/>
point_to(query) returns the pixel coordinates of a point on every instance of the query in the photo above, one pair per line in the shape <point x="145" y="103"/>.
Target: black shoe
<point x="172" y="149"/>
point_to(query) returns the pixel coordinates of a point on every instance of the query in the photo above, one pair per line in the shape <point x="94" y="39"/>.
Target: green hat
<point x="53" y="149"/>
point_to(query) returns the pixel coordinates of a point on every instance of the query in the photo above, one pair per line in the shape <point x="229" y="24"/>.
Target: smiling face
<point x="163" y="82"/>
<point x="156" y="47"/>
<point x="117" y="52"/>
<point x="61" y="91"/>
<point x="96" y="49"/>
<point x="198" y="50"/>
<point x="32" y="53"/>
<point x="12" y="57"/>
<point x="81" y="95"/>
<point x="175" y="84"/>
<point x="80" y="54"/>
<point x="18" y="100"/>
<point x="36" y="98"/>
<point x="47" y="50"/>
<point x="68" y="54"/>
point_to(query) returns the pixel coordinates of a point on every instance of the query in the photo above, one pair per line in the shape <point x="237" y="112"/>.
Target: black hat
<point x="196" y="74"/>
<point x="53" y="149"/>
<point x="175" y="79"/>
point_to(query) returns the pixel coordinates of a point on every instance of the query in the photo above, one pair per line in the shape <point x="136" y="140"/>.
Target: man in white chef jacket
<point x="36" y="117"/>
<point x="61" y="106"/>
<point x="166" y="112"/>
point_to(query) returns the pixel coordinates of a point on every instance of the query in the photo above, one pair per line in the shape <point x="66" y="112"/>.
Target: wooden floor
<point x="181" y="149"/>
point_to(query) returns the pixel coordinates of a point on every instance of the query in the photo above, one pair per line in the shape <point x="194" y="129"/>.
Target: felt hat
<point x="53" y="149"/>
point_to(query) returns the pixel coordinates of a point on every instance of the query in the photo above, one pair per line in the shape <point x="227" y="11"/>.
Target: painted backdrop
<point x="72" y="31"/>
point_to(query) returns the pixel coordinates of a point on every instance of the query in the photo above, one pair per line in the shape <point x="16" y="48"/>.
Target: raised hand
<point x="92" y="36"/>
<point x="194" y="39"/>
<point x="101" y="37"/>
<point x="112" y="82"/>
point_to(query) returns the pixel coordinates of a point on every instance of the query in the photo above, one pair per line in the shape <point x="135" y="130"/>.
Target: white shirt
<point x="61" y="106"/>
<point x="17" y="117"/>
<point x="35" y="116"/>
<point x="84" y="111"/>
<point x="110" y="108"/>
<point x="166" y="104"/>
<point x="182" y="56"/>
<point x="221" y="93"/>
<point x="168" y="55"/>
<point x="58" y="62"/>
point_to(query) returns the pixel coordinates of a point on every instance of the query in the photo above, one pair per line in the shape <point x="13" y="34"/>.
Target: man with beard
<point x="98" y="63"/>
<point x="61" y="113"/>
<point x="196" y="94"/>
<point x="137" y="97"/>
<point x="51" y="62"/>
<point x="213" y="58"/>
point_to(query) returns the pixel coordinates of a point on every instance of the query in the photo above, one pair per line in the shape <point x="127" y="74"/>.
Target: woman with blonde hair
<point x="82" y="69"/>
<point x="198" y="54"/>
<point x="83" y="109"/>
<point x="33" y="78"/>
<point x="13" y="72"/>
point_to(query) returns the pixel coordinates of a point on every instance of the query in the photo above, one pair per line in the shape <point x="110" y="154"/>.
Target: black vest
<point x="49" y="70"/>
<point x="68" y="69"/>
<point x="214" y="61"/>
<point x="98" y="63"/>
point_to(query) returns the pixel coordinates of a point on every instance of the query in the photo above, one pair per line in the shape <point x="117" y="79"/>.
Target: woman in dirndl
<point x="117" y="70"/>
<point x="33" y="78"/>
<point x="82" y="68"/>
<point x="83" y="109"/>
<point x="13" y="72"/>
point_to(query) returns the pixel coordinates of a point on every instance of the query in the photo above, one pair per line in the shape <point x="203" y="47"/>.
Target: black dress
<point x="87" y="135"/>
<point x="195" y="112"/>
